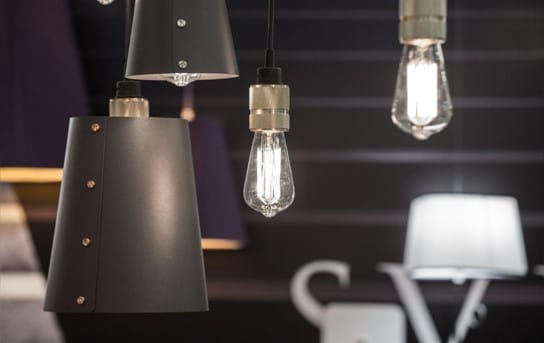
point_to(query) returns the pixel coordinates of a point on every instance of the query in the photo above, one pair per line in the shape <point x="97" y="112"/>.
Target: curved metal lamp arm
<point x="419" y="315"/>
<point x="307" y="305"/>
<point x="413" y="301"/>
<point x="472" y="302"/>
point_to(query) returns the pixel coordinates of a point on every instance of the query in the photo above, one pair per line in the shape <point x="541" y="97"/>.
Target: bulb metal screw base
<point x="129" y="107"/>
<point x="269" y="107"/>
<point x="128" y="101"/>
<point x="422" y="21"/>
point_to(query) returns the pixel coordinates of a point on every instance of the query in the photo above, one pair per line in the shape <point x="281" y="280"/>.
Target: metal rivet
<point x="80" y="300"/>
<point x="91" y="184"/>
<point x="183" y="64"/>
<point x="95" y="127"/>
<point x="86" y="241"/>
<point x="181" y="22"/>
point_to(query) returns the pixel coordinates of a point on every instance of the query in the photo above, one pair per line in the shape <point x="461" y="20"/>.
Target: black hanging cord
<point x="269" y="59"/>
<point x="270" y="74"/>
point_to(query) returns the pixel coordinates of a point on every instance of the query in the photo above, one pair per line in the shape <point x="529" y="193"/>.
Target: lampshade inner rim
<point x="167" y="76"/>
<point x="463" y="272"/>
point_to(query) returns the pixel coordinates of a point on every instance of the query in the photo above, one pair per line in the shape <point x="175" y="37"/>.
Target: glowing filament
<point x="422" y="92"/>
<point x="269" y="169"/>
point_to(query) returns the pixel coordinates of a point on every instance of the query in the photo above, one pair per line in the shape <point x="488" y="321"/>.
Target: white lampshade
<point x="462" y="236"/>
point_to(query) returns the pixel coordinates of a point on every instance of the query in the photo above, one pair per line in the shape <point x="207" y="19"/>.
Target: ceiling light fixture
<point x="269" y="186"/>
<point x="422" y="104"/>
<point x="181" y="41"/>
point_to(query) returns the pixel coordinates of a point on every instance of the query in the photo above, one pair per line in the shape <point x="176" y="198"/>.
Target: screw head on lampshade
<point x="464" y="236"/>
<point x="181" y="41"/>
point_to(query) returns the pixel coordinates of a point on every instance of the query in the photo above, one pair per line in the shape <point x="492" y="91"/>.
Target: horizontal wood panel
<point x="383" y="34"/>
<point x="359" y="79"/>
<point x="82" y="7"/>
<point x="275" y="250"/>
<point x="377" y="79"/>
<point x="492" y="33"/>
<point x="387" y="4"/>
<point x="373" y="186"/>
<point x="483" y="129"/>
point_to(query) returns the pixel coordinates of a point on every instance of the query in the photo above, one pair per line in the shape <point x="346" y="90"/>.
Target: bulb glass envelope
<point x="181" y="41"/>
<point x="462" y="236"/>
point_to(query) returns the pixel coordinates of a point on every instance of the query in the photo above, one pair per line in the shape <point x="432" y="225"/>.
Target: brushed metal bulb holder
<point x="269" y="107"/>
<point x="422" y="21"/>
<point x="129" y="107"/>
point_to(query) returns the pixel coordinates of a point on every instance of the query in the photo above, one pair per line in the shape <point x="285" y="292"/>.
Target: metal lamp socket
<point x="129" y="107"/>
<point x="422" y="21"/>
<point x="269" y="107"/>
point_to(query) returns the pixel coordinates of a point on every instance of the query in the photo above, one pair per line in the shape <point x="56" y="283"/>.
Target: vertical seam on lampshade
<point x="100" y="210"/>
<point x="173" y="58"/>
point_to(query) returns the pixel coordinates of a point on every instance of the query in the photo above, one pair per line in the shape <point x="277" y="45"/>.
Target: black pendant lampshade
<point x="181" y="41"/>
<point x="41" y="85"/>
<point x="127" y="236"/>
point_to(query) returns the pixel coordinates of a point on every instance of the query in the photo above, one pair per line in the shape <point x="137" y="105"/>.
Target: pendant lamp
<point x="36" y="102"/>
<point x="127" y="237"/>
<point x="181" y="41"/>
<point x="269" y="187"/>
<point x="218" y="203"/>
<point x="422" y="104"/>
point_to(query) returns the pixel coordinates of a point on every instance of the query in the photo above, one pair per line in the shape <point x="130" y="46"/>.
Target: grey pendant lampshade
<point x="41" y="85"/>
<point x="127" y="236"/>
<point x="181" y="41"/>
<point x="218" y="201"/>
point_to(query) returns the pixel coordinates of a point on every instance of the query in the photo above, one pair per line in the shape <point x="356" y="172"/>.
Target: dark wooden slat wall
<point x="355" y="172"/>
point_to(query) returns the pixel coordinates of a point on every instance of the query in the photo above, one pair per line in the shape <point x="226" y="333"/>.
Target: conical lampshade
<point x="181" y="41"/>
<point x="218" y="201"/>
<point x="127" y="236"/>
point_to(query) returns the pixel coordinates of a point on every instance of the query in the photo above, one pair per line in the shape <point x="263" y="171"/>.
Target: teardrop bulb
<point x="269" y="186"/>
<point x="422" y="103"/>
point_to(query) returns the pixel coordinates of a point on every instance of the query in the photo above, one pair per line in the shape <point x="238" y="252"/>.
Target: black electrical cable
<point x="269" y="73"/>
<point x="269" y="59"/>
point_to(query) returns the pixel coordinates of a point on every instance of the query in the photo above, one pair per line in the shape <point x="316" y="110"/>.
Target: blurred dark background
<point x="355" y="172"/>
